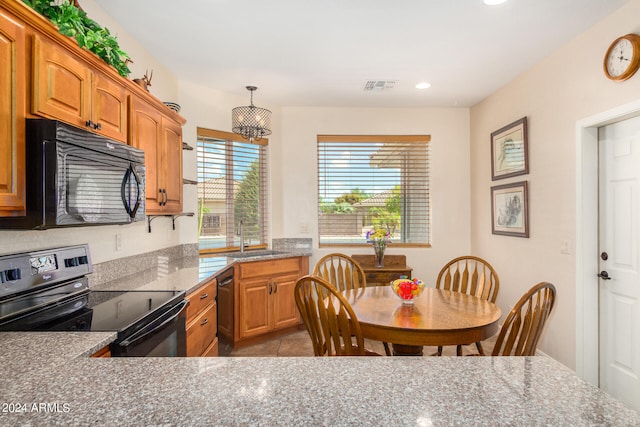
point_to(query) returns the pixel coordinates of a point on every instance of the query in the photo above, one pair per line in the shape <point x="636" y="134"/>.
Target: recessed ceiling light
<point x="494" y="2"/>
<point x="423" y="85"/>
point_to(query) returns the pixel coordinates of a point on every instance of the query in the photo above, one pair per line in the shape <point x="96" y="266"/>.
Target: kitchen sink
<point x="258" y="253"/>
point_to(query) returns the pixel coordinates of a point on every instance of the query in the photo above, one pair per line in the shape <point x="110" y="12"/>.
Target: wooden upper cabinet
<point x="12" y="116"/>
<point x="46" y="74"/>
<point x="65" y="88"/>
<point x="172" y="149"/>
<point x="161" y="139"/>
<point x="109" y="107"/>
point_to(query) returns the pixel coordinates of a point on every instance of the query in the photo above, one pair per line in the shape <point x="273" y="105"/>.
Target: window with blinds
<point x="372" y="182"/>
<point x="232" y="188"/>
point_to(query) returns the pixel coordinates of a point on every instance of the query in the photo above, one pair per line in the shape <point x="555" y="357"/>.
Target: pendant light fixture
<point x="251" y="122"/>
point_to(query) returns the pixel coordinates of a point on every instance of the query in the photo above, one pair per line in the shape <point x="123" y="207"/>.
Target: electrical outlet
<point x="303" y="227"/>
<point x="564" y="246"/>
<point x="118" y="242"/>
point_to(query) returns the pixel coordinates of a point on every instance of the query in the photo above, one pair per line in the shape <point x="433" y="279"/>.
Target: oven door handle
<point x="146" y="332"/>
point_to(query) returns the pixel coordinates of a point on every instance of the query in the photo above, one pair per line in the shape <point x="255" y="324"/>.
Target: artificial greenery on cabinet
<point x="72" y="21"/>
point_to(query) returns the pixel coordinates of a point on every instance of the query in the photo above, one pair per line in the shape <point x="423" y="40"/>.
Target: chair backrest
<point x="523" y="326"/>
<point x="329" y="318"/>
<point x="342" y="271"/>
<point x="470" y="275"/>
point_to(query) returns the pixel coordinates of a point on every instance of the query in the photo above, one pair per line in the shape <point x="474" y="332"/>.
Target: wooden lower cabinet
<point x="103" y="352"/>
<point x="395" y="266"/>
<point x="202" y="321"/>
<point x="265" y="295"/>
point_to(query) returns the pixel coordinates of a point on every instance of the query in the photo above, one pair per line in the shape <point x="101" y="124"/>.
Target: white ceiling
<point x="321" y="53"/>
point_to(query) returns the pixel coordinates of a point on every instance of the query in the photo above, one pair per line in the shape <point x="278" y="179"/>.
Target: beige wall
<point x="293" y="166"/>
<point x="566" y="87"/>
<point x="295" y="200"/>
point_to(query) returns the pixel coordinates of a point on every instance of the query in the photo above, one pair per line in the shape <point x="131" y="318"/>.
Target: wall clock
<point x="622" y="59"/>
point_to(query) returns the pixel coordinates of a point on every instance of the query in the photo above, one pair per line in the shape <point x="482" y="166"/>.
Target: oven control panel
<point x="30" y="270"/>
<point x="44" y="263"/>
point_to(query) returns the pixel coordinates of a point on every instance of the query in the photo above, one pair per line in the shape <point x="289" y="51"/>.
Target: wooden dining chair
<point x="473" y="276"/>
<point x="341" y="270"/>
<point x="344" y="273"/>
<point x="523" y="325"/>
<point x="329" y="319"/>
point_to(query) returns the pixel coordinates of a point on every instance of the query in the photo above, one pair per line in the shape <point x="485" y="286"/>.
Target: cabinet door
<point x="61" y="86"/>
<point x="172" y="165"/>
<point x="145" y="134"/>
<point x="109" y="107"/>
<point x="12" y="115"/>
<point x="285" y="313"/>
<point x="254" y="308"/>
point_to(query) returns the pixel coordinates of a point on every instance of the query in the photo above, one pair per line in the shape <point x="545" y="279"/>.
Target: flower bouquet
<point x="379" y="237"/>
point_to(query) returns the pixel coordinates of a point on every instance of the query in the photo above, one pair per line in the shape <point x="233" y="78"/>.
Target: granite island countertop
<point x="48" y="379"/>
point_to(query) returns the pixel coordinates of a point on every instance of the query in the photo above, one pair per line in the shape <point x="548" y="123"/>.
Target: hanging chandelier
<point x="250" y="121"/>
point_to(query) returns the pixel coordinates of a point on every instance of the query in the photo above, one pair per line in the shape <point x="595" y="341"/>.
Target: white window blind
<point x="367" y="182"/>
<point x="232" y="187"/>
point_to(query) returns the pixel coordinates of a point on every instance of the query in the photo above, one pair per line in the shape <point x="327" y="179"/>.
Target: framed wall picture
<point x="509" y="209"/>
<point x="509" y="150"/>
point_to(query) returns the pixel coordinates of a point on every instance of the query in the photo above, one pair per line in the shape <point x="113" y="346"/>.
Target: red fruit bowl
<point x="407" y="289"/>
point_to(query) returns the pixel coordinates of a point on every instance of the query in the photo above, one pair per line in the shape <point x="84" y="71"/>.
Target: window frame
<point x="375" y="139"/>
<point x="264" y="222"/>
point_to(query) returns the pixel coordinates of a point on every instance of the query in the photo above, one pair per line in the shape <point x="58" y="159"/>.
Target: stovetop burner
<point x="114" y="310"/>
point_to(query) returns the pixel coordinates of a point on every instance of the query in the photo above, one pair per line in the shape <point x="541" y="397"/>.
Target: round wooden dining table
<point x="436" y="318"/>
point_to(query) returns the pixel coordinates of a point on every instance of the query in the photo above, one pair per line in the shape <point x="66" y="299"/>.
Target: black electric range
<point x="48" y="290"/>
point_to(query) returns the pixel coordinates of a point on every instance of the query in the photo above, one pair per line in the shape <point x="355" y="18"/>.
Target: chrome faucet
<point x="240" y="232"/>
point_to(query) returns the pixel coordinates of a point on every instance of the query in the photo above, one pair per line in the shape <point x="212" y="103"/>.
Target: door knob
<point x="604" y="275"/>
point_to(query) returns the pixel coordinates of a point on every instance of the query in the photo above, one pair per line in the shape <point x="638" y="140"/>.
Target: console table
<point x="394" y="267"/>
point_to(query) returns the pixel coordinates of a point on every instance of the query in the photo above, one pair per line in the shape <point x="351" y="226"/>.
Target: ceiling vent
<point x="379" y="85"/>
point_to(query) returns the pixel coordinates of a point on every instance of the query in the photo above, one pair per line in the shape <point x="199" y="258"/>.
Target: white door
<point x="619" y="148"/>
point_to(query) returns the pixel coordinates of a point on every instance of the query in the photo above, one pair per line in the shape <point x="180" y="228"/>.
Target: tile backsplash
<point x="294" y="245"/>
<point x="111" y="270"/>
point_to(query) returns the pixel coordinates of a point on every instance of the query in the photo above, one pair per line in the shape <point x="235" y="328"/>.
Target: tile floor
<point x="298" y="344"/>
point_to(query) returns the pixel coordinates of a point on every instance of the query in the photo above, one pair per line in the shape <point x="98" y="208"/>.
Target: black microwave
<point x="77" y="178"/>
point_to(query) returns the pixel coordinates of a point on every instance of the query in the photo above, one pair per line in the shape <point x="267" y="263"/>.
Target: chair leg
<point x="386" y="348"/>
<point x="459" y="350"/>
<point x="439" y="352"/>
<point x="480" y="349"/>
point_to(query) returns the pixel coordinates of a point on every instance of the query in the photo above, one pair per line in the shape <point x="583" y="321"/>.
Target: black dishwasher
<point x="225" y="312"/>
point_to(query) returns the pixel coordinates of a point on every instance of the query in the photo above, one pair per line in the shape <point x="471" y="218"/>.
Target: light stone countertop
<point x="53" y="371"/>
<point x="184" y="273"/>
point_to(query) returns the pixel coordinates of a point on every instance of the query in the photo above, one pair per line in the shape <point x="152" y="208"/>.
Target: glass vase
<point x="378" y="249"/>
